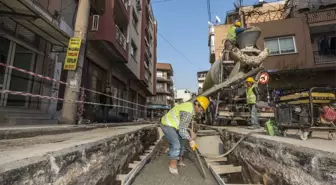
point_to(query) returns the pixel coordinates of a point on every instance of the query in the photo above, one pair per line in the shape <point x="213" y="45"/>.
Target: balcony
<point x="328" y="57"/>
<point x="148" y="53"/>
<point x="120" y="37"/>
<point x="164" y="79"/>
<point x="321" y="16"/>
<point x="108" y="32"/>
<point x="163" y="91"/>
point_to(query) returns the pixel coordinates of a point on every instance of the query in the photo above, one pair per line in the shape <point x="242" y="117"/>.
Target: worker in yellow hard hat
<point x="252" y="99"/>
<point x="175" y="125"/>
<point x="230" y="41"/>
<point x="234" y="29"/>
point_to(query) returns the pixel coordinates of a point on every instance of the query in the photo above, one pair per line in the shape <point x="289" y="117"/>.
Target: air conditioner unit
<point x="138" y="5"/>
<point x="95" y="23"/>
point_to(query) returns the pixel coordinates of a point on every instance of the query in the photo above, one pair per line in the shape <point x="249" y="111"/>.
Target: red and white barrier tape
<point x="61" y="99"/>
<point x="65" y="83"/>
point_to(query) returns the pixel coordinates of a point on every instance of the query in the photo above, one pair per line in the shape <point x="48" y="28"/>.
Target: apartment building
<point x="164" y="98"/>
<point x="200" y="79"/>
<point x="305" y="52"/>
<point x="125" y="51"/>
<point x="120" y="54"/>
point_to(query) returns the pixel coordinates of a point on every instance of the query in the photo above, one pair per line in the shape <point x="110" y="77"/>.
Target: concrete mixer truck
<point x="225" y="80"/>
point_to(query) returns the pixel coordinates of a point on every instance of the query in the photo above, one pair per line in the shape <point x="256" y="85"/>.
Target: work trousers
<point x="254" y="114"/>
<point x="176" y="143"/>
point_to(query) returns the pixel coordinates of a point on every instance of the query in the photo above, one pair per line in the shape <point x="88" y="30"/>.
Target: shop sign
<point x="71" y="58"/>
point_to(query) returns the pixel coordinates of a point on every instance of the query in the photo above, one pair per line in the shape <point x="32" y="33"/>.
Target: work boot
<point x="173" y="170"/>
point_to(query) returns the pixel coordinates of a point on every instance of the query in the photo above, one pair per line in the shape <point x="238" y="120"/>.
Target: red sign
<point x="264" y="78"/>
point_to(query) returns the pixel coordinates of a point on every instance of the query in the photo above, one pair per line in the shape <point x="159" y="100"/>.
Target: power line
<point x="171" y="45"/>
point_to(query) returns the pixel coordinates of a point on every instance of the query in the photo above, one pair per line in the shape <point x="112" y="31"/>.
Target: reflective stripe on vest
<point x="172" y="118"/>
<point x="251" y="98"/>
<point x="232" y="33"/>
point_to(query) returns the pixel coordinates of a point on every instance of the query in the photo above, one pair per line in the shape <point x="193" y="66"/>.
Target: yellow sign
<point x="72" y="53"/>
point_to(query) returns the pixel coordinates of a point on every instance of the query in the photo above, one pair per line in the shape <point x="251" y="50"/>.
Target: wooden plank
<point x="222" y="159"/>
<point x="227" y="169"/>
<point x="121" y="177"/>
<point x="132" y="165"/>
<point x="152" y="147"/>
<point x="140" y="164"/>
<point x="217" y="177"/>
<point x="142" y="157"/>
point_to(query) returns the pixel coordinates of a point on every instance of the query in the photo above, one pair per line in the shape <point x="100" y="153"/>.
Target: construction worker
<point x="234" y="29"/>
<point x="175" y="125"/>
<point x="252" y="99"/>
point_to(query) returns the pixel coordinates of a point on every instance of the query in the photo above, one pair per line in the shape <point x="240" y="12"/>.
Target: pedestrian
<point x="107" y="101"/>
<point x="174" y="125"/>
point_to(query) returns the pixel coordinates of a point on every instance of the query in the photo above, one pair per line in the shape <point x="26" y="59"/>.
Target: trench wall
<point x="276" y="163"/>
<point x="91" y="164"/>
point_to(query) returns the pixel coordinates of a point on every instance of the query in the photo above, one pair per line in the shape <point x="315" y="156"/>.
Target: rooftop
<point x="165" y="67"/>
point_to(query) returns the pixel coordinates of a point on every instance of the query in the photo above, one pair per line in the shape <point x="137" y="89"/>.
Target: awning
<point x="34" y="18"/>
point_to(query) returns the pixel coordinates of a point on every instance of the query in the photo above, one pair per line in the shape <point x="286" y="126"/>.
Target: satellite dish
<point x="314" y="5"/>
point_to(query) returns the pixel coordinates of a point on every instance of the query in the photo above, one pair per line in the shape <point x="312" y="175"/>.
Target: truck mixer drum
<point x="248" y="38"/>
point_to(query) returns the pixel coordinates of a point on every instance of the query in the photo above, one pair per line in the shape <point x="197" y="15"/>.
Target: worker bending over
<point x="175" y="125"/>
<point x="252" y="99"/>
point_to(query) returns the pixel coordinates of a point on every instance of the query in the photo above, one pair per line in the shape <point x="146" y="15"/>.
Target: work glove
<point x="193" y="145"/>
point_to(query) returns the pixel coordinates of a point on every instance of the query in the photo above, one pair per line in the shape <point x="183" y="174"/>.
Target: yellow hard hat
<point x="250" y="79"/>
<point x="237" y="23"/>
<point x="203" y="101"/>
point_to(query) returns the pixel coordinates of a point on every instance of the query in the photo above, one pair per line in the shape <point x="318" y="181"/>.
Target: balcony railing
<point x="325" y="57"/>
<point x="121" y="39"/>
<point x="321" y="16"/>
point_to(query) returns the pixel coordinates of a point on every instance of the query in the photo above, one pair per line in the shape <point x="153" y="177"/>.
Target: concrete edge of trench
<point x="50" y="156"/>
<point x="289" y="143"/>
<point x="15" y="132"/>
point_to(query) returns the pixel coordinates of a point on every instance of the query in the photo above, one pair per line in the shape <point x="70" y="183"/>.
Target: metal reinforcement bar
<point x="228" y="82"/>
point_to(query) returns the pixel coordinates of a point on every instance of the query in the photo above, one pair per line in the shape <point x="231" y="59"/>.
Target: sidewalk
<point x="21" y="131"/>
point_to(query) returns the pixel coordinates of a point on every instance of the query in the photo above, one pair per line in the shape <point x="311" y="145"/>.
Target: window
<point x="135" y="20"/>
<point x="281" y="45"/>
<point x="133" y="49"/>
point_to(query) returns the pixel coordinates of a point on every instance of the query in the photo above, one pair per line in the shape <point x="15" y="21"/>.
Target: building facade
<point x="120" y="54"/>
<point x="182" y="95"/>
<point x="126" y="48"/>
<point x="306" y="52"/>
<point x="200" y="79"/>
<point x="164" y="98"/>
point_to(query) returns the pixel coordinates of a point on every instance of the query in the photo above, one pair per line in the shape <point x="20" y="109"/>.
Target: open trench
<point x="156" y="170"/>
<point x="137" y="155"/>
<point x="255" y="160"/>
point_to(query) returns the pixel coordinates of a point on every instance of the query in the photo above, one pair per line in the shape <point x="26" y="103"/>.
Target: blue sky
<point x="184" y="24"/>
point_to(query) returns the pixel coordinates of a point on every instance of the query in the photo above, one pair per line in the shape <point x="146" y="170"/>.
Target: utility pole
<point x="69" y="110"/>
